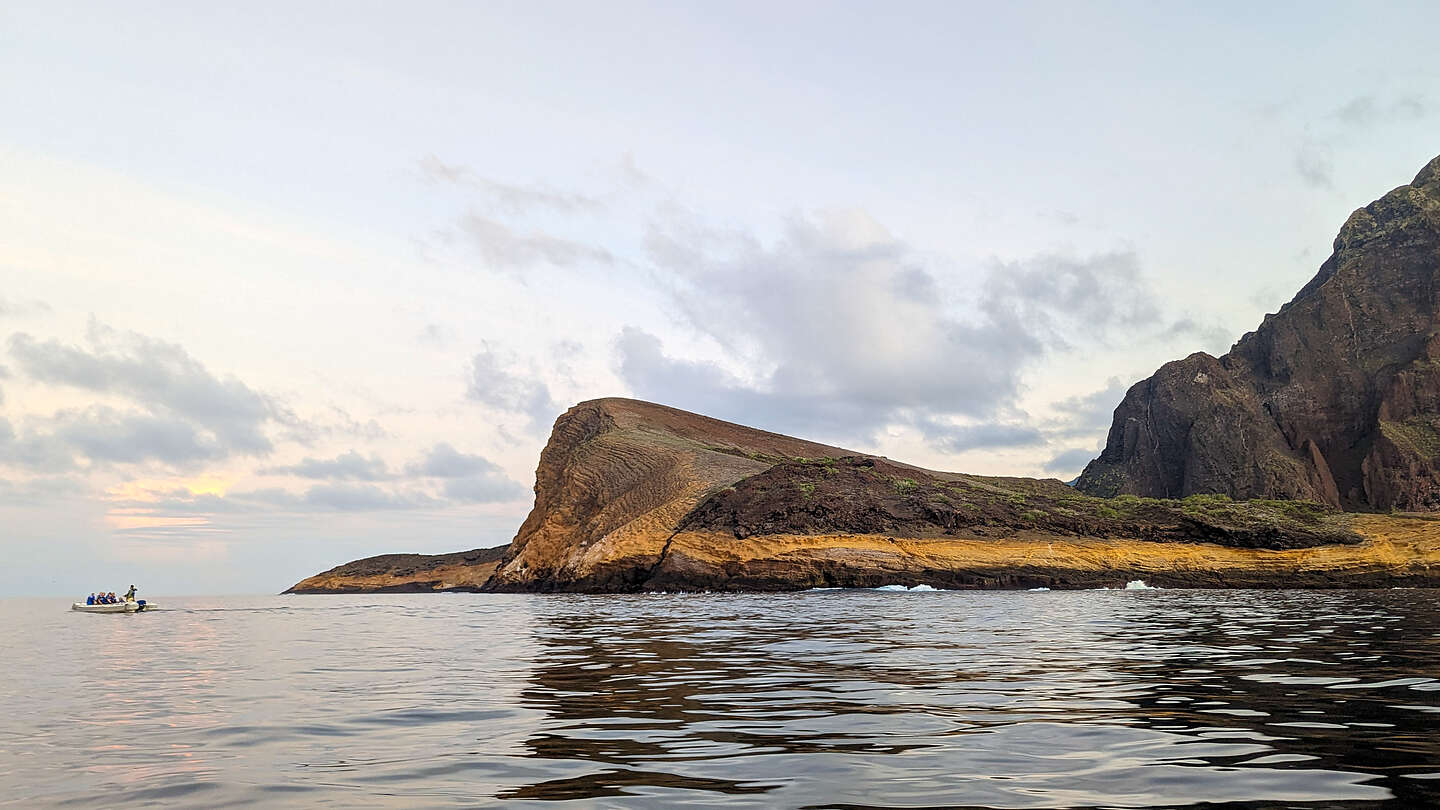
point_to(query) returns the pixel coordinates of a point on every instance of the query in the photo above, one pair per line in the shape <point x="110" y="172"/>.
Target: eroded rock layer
<point x="407" y="573"/>
<point x="614" y="481"/>
<point x="632" y="496"/>
<point x="1336" y="398"/>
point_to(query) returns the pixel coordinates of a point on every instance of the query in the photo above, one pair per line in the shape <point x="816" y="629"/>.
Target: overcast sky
<point x="287" y="284"/>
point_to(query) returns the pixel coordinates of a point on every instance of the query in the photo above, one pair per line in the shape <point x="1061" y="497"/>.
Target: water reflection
<point x="883" y="700"/>
<point x="831" y="699"/>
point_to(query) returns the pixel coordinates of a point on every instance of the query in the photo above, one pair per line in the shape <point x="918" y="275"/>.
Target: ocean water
<point x="848" y="699"/>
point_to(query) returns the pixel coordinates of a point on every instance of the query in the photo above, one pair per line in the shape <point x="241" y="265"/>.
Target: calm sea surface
<point x="822" y="699"/>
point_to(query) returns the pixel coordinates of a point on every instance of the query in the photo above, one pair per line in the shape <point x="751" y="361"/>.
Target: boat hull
<point x="117" y="607"/>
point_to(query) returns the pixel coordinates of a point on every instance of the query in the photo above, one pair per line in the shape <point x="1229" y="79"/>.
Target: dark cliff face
<point x="1336" y="398"/>
<point x="634" y="496"/>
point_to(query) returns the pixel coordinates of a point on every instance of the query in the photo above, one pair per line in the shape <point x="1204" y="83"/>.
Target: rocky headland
<point x="407" y="573"/>
<point x="1335" y="398"/>
<point x="1218" y="472"/>
<point x="634" y="496"/>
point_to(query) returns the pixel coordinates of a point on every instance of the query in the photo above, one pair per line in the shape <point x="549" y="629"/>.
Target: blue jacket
<point x="90" y="600"/>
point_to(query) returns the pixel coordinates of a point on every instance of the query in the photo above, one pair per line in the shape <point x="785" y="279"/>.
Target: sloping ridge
<point x="1335" y="398"/>
<point x="614" y="481"/>
<point x="407" y="573"/>
<point x="632" y="496"/>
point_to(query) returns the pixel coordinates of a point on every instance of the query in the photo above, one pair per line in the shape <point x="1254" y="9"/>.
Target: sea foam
<point x="904" y="588"/>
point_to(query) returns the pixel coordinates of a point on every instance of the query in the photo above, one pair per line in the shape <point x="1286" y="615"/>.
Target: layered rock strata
<point x="633" y="496"/>
<point x="407" y="573"/>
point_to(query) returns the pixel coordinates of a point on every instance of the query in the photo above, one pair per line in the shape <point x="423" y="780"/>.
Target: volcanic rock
<point x="407" y="573"/>
<point x="633" y="496"/>
<point x="1335" y="398"/>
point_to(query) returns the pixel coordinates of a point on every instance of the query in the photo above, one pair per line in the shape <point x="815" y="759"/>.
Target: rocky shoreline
<point x="1227" y="472"/>
<point x="633" y="496"/>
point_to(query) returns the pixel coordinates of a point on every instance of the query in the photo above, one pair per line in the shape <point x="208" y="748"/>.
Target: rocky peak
<point x="1305" y="405"/>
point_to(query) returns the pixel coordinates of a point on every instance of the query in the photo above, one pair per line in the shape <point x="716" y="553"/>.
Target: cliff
<point x="633" y="496"/>
<point x="407" y="573"/>
<point x="1335" y="398"/>
<point x="616" y="479"/>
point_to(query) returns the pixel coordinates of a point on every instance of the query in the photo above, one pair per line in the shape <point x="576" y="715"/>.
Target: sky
<point x="287" y="284"/>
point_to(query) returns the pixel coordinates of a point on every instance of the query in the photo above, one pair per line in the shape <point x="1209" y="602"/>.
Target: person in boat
<point x="130" y="594"/>
<point x="90" y="600"/>
<point x="114" y="600"/>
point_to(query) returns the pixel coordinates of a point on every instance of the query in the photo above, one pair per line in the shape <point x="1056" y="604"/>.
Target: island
<point x="1307" y="456"/>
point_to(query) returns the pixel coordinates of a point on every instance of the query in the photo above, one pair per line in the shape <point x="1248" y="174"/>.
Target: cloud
<point x="511" y="198"/>
<point x="847" y="330"/>
<point x="1058" y="294"/>
<point x="706" y="388"/>
<point x="1213" y="338"/>
<point x="20" y="308"/>
<point x="484" y="489"/>
<point x="362" y="498"/>
<point x="339" y="497"/>
<point x="1070" y="462"/>
<point x="37" y="490"/>
<point x="1087" y="414"/>
<point x="1314" y="165"/>
<point x="348" y="466"/>
<point x="351" y="487"/>
<point x="493" y="384"/>
<point x="435" y="334"/>
<point x="444" y="461"/>
<point x="212" y="417"/>
<point x="467" y="478"/>
<point x="986" y="436"/>
<point x="503" y="247"/>
<point x="1365" y="111"/>
<point x="35" y="453"/>
<point x="100" y="435"/>
<point x="103" y="434"/>
<point x="631" y="174"/>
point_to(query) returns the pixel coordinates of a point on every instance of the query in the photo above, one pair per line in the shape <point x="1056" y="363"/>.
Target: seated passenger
<point x="90" y="600"/>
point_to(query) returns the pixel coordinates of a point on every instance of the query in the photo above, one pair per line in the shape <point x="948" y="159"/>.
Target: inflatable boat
<point x="113" y="607"/>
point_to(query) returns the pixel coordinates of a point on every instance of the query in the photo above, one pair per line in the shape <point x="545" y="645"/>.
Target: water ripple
<point x="847" y="699"/>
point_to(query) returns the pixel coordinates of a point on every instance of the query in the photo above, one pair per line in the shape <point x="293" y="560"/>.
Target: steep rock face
<point x="632" y="496"/>
<point x="1332" y="399"/>
<point x="614" y="481"/>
